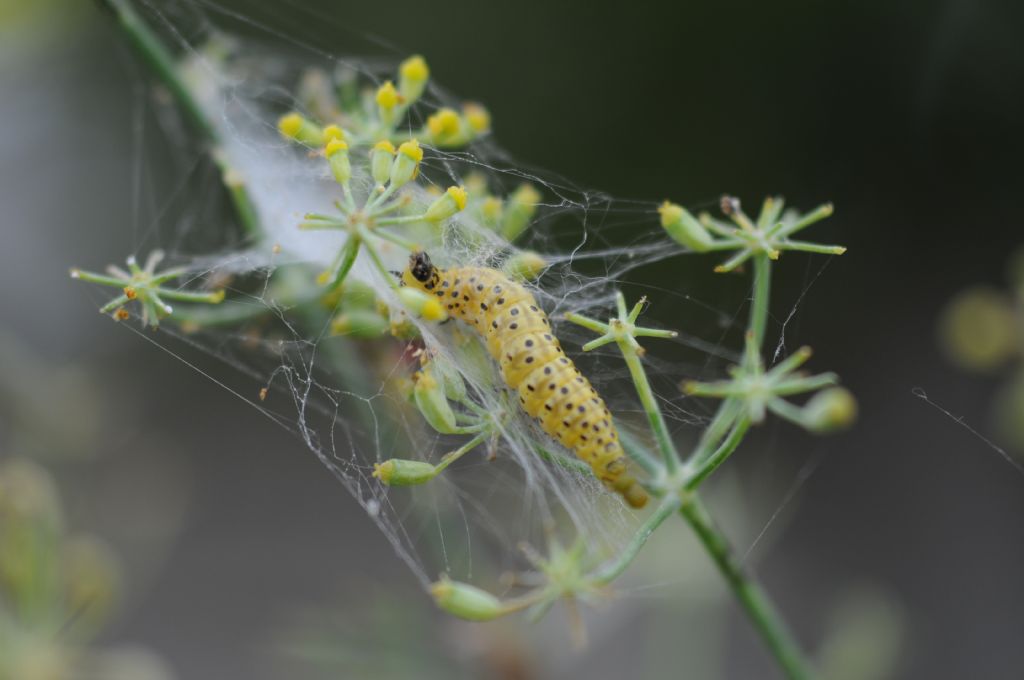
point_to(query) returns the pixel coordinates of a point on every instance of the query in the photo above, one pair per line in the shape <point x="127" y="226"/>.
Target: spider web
<point x="341" y="397"/>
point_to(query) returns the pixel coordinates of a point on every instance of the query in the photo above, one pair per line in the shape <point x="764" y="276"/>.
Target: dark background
<point x="907" y="116"/>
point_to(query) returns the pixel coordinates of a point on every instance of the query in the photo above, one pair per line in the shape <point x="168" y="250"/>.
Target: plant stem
<point x="165" y="66"/>
<point x="651" y="408"/>
<point x="161" y="62"/>
<point x="759" y="305"/>
<point x="755" y="601"/>
<point x="719" y="456"/>
<point x="612" y="570"/>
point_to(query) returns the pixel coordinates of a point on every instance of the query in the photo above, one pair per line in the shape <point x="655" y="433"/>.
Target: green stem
<point x="612" y="570"/>
<point x="719" y="456"/>
<point x="165" y="66"/>
<point x="453" y="456"/>
<point x="754" y="600"/>
<point x="716" y="429"/>
<point x="639" y="453"/>
<point x="162" y="63"/>
<point x="759" y="305"/>
<point x="651" y="408"/>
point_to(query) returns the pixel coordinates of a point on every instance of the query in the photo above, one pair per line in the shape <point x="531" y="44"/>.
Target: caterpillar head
<point x="421" y="272"/>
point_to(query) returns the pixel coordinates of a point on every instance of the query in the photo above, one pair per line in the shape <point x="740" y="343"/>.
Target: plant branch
<point x="751" y="596"/>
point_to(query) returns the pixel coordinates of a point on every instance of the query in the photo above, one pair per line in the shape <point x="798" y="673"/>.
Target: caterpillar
<point x="518" y="336"/>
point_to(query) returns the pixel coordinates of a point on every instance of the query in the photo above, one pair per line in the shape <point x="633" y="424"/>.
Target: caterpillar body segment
<point x="518" y="336"/>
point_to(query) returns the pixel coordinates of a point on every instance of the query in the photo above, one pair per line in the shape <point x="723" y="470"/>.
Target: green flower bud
<point x="450" y="377"/>
<point x="337" y="155"/>
<point x="432" y="402"/>
<point x="830" y="410"/>
<point x="522" y="205"/>
<point x="407" y="163"/>
<point x="401" y="472"/>
<point x="466" y="601"/>
<point x="296" y="127"/>
<point x="360" y="323"/>
<point x="356" y="294"/>
<point x="449" y="203"/>
<point x="413" y="74"/>
<point x="425" y="306"/>
<point x="388" y="99"/>
<point x="381" y="158"/>
<point x="526" y="265"/>
<point x="684" y="227"/>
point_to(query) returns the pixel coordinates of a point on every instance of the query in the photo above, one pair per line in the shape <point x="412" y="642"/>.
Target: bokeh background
<point x="242" y="558"/>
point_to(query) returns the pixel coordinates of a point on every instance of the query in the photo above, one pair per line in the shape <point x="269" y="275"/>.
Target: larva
<point x="551" y="389"/>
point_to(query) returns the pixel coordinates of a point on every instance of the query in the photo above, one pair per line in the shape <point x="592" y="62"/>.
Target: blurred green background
<point x="905" y="115"/>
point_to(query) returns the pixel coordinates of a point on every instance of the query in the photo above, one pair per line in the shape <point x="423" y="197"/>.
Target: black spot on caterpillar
<point x="529" y="355"/>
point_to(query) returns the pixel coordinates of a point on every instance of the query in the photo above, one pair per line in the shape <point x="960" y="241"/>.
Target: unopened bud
<point x="444" y="124"/>
<point x="426" y="306"/>
<point x="451" y="202"/>
<point x="387" y="99"/>
<point x="407" y="163"/>
<point x="381" y="157"/>
<point x="359" y="323"/>
<point x="478" y="117"/>
<point x="522" y="204"/>
<point x="684" y="227"/>
<point x="466" y="601"/>
<point x="451" y="379"/>
<point x="432" y="402"/>
<point x="333" y="132"/>
<point x="412" y="78"/>
<point x="829" y="410"/>
<point x="401" y="472"/>
<point x="295" y="126"/>
<point x="526" y="265"/>
<point x="337" y="156"/>
<point x="491" y="211"/>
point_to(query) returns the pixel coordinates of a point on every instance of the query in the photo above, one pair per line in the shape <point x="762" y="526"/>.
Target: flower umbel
<point x="145" y="286"/>
<point x="760" y="390"/>
<point x="769" y="234"/>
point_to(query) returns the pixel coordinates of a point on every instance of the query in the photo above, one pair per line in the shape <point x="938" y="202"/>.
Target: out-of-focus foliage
<point x="981" y="330"/>
<point x="56" y="589"/>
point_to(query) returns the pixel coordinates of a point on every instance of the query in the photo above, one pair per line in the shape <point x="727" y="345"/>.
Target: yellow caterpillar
<point x="518" y="336"/>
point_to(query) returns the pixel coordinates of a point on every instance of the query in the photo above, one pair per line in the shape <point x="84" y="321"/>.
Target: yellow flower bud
<point x="684" y="227"/>
<point x="491" y="211"/>
<point x="426" y="306"/>
<point x="526" y="265"/>
<point x="407" y="163"/>
<point x="443" y="124"/>
<point x="412" y="78"/>
<point x="478" y="117"/>
<point x="451" y="202"/>
<point x="432" y="402"/>
<point x="830" y="410"/>
<point x="522" y="204"/>
<point x="294" y="126"/>
<point x="401" y="472"/>
<point x="337" y="156"/>
<point x="381" y="157"/>
<point x="466" y="601"/>
<point x="387" y="99"/>
<point x="333" y="132"/>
